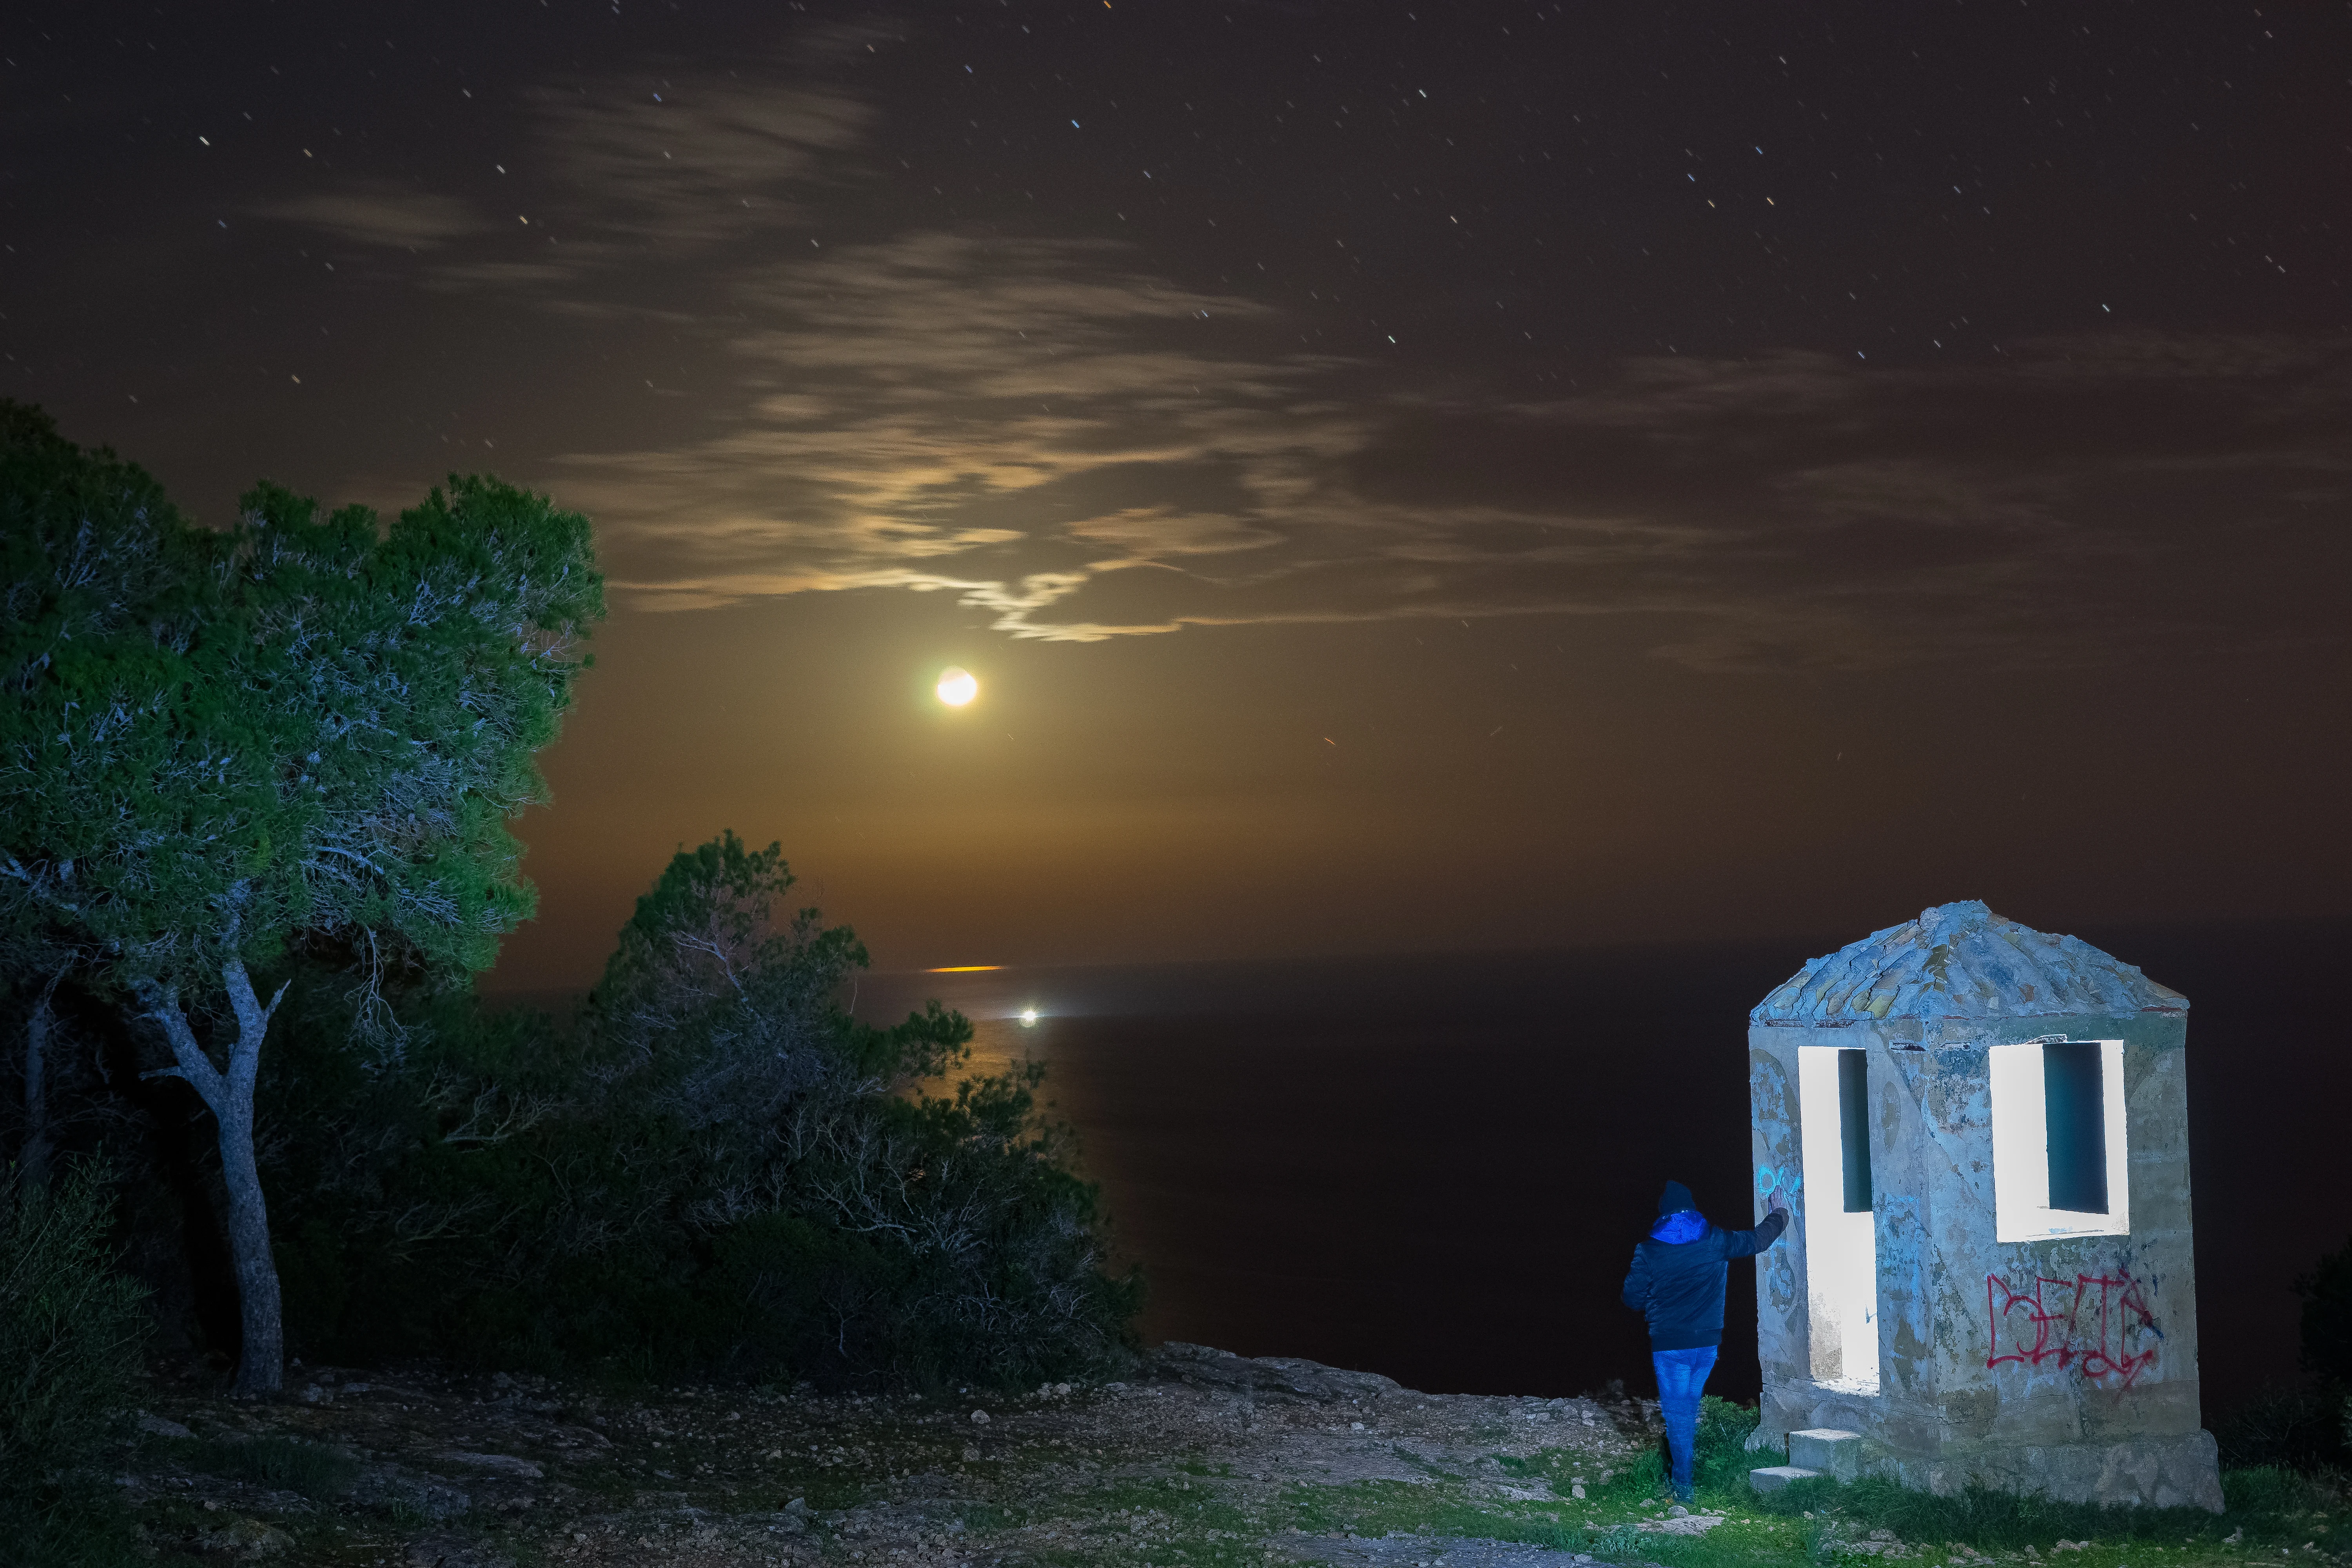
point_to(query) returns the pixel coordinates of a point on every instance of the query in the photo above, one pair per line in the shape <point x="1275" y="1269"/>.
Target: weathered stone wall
<point x="2065" y="1364"/>
<point x="1783" y="1328"/>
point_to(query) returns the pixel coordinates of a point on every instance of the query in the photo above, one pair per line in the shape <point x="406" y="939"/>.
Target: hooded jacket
<point x="1680" y="1268"/>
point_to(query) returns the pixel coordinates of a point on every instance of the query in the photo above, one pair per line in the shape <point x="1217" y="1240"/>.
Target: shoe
<point x="1683" y="1496"/>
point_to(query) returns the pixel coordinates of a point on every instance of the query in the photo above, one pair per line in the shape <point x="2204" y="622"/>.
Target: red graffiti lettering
<point x="2095" y="1344"/>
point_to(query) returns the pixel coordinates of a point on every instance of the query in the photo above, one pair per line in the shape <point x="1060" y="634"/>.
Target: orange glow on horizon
<point x="964" y="968"/>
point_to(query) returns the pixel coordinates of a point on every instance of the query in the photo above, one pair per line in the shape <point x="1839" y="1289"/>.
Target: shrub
<point x="70" y="1331"/>
<point x="2289" y="1428"/>
<point x="2326" y="1293"/>
<point x="714" y="1168"/>
<point x="71" y="1327"/>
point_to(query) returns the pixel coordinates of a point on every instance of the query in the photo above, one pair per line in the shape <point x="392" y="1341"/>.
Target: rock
<point x="389" y="1488"/>
<point x="247" y="1540"/>
<point x="157" y="1427"/>
<point x="503" y="1464"/>
<point x="1689" y="1524"/>
<point x="980" y="1417"/>
<point x="441" y="1551"/>
<point x="1275" y="1376"/>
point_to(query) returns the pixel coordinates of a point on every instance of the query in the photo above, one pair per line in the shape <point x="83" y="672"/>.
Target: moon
<point x="957" y="687"/>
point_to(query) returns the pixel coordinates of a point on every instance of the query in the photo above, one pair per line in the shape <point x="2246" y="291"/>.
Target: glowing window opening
<point x="1840" y="1228"/>
<point x="2053" y="1115"/>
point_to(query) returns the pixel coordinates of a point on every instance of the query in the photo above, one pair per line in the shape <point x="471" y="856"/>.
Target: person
<point x="1676" y="1282"/>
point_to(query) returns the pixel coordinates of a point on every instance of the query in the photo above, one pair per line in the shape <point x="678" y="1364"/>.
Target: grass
<point x="71" y="1526"/>
<point x="1192" y="1515"/>
<point x="281" y="1464"/>
<point x="1808" y="1525"/>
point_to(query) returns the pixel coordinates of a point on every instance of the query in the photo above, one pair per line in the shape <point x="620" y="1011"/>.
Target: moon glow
<point x="957" y="687"/>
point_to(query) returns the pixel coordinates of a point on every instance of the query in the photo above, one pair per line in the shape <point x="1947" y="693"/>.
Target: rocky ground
<point x="1205" y="1458"/>
<point x="1201" y="1460"/>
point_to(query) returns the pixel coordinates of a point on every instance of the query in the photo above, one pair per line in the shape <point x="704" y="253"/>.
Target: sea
<point x="1436" y="1166"/>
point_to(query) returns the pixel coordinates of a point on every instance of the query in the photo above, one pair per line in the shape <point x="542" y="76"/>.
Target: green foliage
<point x="218" y="739"/>
<point x="75" y="1526"/>
<point x="2291" y="1428"/>
<point x="1721" y="1458"/>
<point x="293" y="729"/>
<point x="716" y="1168"/>
<point x="70" y="1331"/>
<point x="282" y="1464"/>
<point x="2260" y="1502"/>
<point x="2326" y="1293"/>
<point x="71" y="1327"/>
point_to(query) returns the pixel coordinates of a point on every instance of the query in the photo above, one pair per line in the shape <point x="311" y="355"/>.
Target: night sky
<point x="1407" y="477"/>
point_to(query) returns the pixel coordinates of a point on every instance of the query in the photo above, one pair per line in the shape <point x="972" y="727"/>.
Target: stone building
<point x="1983" y="1131"/>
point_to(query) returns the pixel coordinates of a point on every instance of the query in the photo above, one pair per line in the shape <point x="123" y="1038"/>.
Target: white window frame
<point x="1841" y="1248"/>
<point x="2021" y="1146"/>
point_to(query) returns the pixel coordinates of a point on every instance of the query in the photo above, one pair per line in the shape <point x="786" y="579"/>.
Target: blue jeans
<point x="1682" y="1376"/>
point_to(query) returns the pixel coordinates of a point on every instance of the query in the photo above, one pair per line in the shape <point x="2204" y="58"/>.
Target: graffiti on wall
<point x="2095" y="1325"/>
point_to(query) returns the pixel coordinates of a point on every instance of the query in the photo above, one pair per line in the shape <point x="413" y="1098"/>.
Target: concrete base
<point x="2156" y="1472"/>
<point x="1825" y="1449"/>
<point x="1772" y="1477"/>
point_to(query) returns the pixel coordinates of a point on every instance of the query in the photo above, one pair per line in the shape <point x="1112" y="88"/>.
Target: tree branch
<point x="194" y="1067"/>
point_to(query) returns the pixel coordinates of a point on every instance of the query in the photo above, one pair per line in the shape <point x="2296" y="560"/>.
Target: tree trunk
<point x="261" y="1354"/>
<point x="262" y="1351"/>
<point x="33" y="1170"/>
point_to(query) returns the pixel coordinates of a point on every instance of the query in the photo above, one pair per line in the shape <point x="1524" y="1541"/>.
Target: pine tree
<point x="216" y="743"/>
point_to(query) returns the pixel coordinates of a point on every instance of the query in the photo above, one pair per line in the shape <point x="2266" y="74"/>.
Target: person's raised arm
<point x="1747" y="1243"/>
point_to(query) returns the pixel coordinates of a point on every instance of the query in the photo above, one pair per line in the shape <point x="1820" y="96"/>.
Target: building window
<point x="2059" y="1160"/>
<point x="1841" y="1235"/>
<point x="1853" y="1132"/>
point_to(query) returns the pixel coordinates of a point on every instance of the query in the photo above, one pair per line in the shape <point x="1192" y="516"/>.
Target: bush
<point x="2326" y="1293"/>
<point x="71" y="1327"/>
<point x="2286" y="1428"/>
<point x="70" y="1331"/>
<point x="715" y="1169"/>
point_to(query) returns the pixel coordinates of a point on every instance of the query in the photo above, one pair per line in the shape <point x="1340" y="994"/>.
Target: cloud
<point x="380" y="215"/>
<point x="1078" y="445"/>
<point x="698" y="160"/>
<point x="995" y="404"/>
<point x="1081" y="451"/>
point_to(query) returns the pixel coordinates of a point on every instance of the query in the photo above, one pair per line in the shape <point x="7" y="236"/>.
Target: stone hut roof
<point x="1962" y="961"/>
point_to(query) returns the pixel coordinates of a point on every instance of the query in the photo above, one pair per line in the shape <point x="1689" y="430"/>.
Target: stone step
<point x="1772" y="1477"/>
<point x="1828" y="1450"/>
